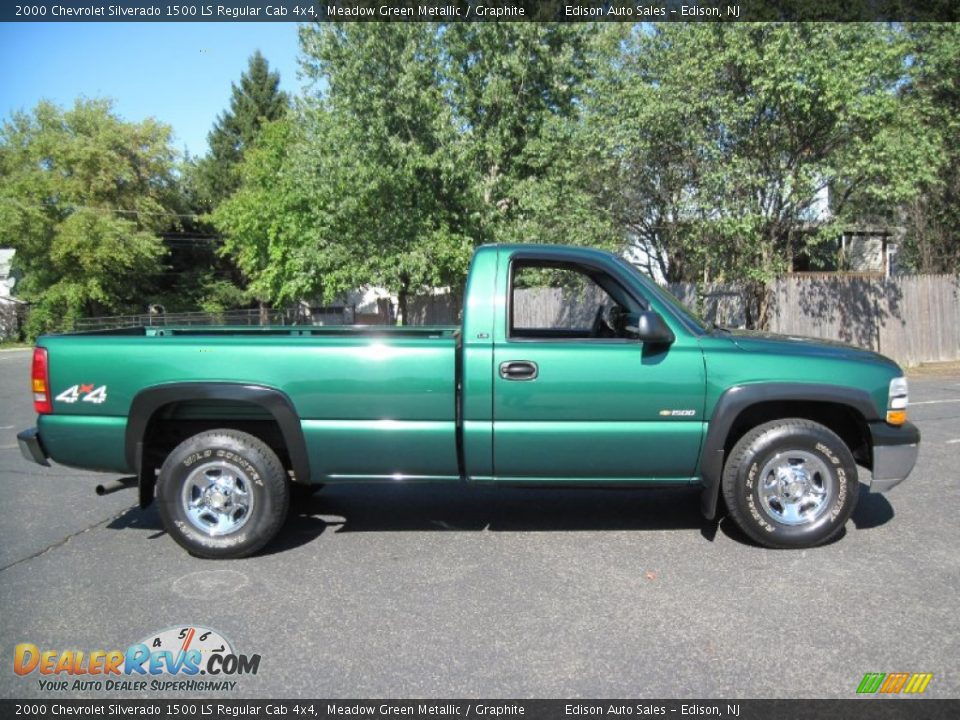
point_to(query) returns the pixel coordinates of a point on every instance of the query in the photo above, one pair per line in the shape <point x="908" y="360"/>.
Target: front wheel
<point x="790" y="483"/>
<point x="222" y="494"/>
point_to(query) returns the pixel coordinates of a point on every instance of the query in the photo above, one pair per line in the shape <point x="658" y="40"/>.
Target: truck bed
<point x="338" y="378"/>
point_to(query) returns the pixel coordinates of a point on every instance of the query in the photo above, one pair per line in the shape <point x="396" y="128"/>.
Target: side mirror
<point x="649" y="327"/>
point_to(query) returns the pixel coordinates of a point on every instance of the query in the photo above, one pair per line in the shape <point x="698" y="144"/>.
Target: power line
<point x="162" y="213"/>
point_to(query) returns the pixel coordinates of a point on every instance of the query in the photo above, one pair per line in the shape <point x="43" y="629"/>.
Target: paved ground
<point x="426" y="592"/>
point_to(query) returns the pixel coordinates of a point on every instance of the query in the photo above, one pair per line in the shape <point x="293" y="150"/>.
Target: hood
<point x="757" y="341"/>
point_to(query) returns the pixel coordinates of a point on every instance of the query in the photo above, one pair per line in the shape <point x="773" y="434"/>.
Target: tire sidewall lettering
<point x="826" y="452"/>
<point x="750" y="484"/>
<point x="241" y="463"/>
<point x="196" y="457"/>
<point x="841" y="500"/>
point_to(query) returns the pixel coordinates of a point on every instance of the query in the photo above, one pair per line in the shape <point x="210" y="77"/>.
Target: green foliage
<point x="725" y="135"/>
<point x="519" y="90"/>
<point x="395" y="197"/>
<point x="931" y="98"/>
<point x="712" y="146"/>
<point x="255" y="101"/>
<point x="514" y="91"/>
<point x="392" y="177"/>
<point x="83" y="196"/>
<point x="220" y="295"/>
<point x="369" y="176"/>
<point x="266" y="222"/>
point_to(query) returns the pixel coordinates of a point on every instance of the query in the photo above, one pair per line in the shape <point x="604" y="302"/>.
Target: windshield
<point x="693" y="322"/>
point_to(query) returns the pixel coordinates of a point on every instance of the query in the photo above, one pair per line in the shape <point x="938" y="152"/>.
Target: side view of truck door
<point x="577" y="396"/>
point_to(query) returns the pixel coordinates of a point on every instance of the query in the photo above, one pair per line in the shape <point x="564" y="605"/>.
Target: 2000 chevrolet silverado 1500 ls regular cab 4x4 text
<point x="621" y="387"/>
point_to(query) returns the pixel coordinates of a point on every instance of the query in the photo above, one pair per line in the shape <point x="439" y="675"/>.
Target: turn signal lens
<point x="40" y="377"/>
<point x="896" y="417"/>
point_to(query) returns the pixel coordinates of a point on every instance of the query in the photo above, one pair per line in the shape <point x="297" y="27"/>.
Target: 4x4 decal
<point x="86" y="393"/>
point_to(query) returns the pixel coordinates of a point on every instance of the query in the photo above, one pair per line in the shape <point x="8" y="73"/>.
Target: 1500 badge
<point x="86" y="393"/>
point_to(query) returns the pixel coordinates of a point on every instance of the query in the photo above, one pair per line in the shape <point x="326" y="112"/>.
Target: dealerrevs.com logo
<point x="173" y="659"/>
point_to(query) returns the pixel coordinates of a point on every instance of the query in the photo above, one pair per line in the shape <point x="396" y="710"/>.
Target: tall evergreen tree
<point x="254" y="102"/>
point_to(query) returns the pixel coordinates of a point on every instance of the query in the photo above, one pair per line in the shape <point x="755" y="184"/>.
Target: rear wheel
<point x="222" y="494"/>
<point x="790" y="483"/>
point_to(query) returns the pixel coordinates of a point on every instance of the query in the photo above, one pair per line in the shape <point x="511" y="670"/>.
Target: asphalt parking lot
<point x="425" y="591"/>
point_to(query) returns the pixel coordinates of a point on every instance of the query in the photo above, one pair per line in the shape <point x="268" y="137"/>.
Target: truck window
<point x="564" y="301"/>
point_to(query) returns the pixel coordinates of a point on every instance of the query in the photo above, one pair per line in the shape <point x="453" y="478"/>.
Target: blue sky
<point x="178" y="73"/>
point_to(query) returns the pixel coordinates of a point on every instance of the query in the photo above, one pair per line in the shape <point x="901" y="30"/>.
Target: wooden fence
<point x="434" y="309"/>
<point x="911" y="318"/>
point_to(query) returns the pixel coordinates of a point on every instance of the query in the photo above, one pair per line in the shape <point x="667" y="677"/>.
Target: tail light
<point x="40" y="376"/>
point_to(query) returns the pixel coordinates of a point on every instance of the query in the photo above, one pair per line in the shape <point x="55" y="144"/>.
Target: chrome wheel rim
<point x="795" y="487"/>
<point x="217" y="498"/>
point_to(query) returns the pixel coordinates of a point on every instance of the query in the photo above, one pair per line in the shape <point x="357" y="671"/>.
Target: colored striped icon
<point x="892" y="683"/>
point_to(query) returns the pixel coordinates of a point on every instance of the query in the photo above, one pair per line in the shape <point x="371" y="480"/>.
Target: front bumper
<point x="895" y="451"/>
<point x="30" y="446"/>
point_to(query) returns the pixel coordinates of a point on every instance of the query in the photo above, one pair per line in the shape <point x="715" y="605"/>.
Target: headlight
<point x="897" y="399"/>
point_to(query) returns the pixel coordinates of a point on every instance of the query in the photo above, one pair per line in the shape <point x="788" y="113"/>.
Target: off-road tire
<point x="751" y="479"/>
<point x="231" y="452"/>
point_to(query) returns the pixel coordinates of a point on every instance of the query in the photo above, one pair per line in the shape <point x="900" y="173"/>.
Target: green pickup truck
<point x="570" y="368"/>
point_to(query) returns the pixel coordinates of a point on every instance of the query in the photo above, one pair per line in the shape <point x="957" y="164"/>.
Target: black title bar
<point x="479" y="10"/>
<point x="882" y="708"/>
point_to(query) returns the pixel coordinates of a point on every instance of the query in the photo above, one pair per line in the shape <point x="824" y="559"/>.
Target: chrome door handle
<point x="519" y="370"/>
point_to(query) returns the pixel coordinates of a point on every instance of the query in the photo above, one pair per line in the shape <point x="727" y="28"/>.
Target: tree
<point x="83" y="196"/>
<point x="390" y="195"/>
<point x="459" y="136"/>
<point x="713" y="147"/>
<point x="254" y="102"/>
<point x="357" y="187"/>
<point x="517" y="91"/>
<point x="932" y="99"/>
<point x="727" y="136"/>
<point x="266" y="224"/>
